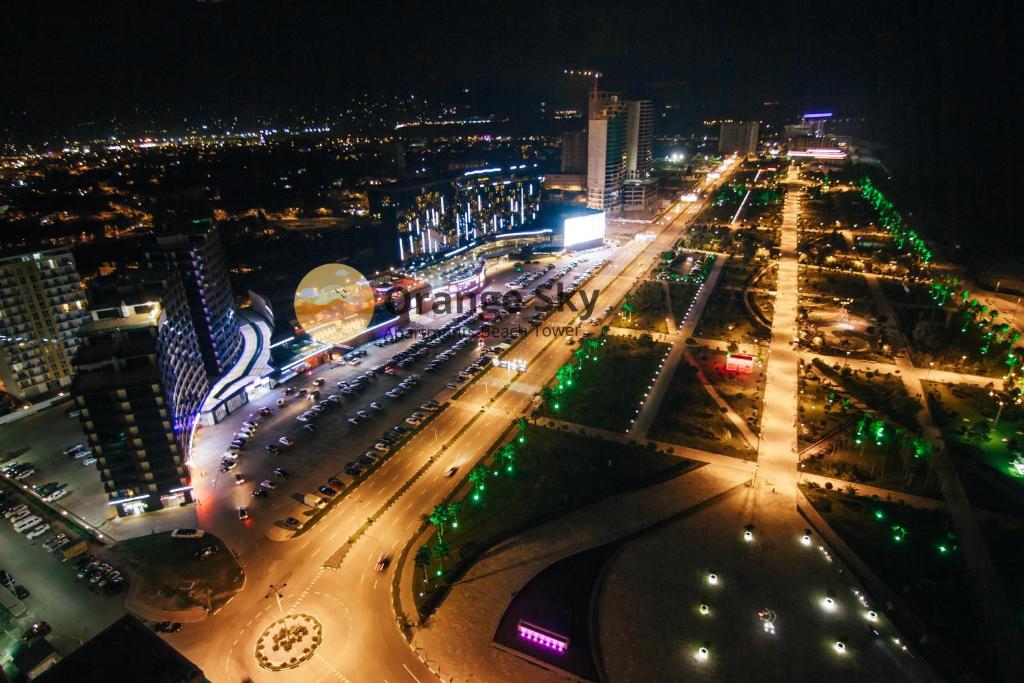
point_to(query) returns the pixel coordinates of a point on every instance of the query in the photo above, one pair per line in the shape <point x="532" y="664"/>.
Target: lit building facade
<point x="606" y="151"/>
<point x="640" y="188"/>
<point x="42" y="305"/>
<point x="140" y="384"/>
<point x="193" y="249"/>
<point x="436" y="217"/>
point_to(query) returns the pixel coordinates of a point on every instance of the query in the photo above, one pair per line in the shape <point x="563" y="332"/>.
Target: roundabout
<point x="288" y="642"/>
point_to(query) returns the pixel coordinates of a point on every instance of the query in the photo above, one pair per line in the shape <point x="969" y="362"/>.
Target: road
<point x="353" y="602"/>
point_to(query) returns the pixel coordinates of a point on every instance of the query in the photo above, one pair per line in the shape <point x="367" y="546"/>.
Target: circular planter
<point x="288" y="642"/>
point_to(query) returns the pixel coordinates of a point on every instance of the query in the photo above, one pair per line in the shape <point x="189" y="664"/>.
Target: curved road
<point x="362" y="641"/>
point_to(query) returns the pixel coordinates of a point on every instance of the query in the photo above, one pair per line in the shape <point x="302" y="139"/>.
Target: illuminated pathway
<point x="777" y="456"/>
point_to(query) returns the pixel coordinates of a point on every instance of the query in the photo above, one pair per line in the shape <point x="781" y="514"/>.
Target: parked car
<point x="188" y="533"/>
<point x="167" y="627"/>
<point x="38" y="531"/>
<point x="36" y="630"/>
<point x="205" y="552"/>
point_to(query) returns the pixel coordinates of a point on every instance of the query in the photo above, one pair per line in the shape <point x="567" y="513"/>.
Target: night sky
<point x="935" y="81"/>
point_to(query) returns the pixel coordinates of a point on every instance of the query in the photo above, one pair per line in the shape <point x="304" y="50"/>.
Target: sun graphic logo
<point x="334" y="302"/>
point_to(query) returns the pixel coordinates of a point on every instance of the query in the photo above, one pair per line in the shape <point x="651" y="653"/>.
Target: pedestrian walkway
<point x="650" y="408"/>
<point x="778" y="448"/>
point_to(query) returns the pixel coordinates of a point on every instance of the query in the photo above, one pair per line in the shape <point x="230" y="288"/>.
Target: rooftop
<point x="125" y="651"/>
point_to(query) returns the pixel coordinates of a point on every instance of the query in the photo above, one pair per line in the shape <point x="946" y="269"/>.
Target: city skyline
<point x="510" y="342"/>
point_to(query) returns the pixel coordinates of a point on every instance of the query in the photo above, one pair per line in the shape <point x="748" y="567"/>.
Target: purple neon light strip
<point x="541" y="639"/>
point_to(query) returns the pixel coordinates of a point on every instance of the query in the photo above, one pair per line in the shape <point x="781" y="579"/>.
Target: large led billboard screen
<point x="582" y="229"/>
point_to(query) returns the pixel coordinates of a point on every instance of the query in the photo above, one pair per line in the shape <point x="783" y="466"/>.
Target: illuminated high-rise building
<point x="140" y="383"/>
<point x="606" y="150"/>
<point x="193" y="249"/>
<point x="434" y="217"/>
<point x="42" y="305"/>
<point x="640" y="188"/>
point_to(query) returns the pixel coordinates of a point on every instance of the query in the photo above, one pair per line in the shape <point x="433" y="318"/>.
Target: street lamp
<point x="276" y="590"/>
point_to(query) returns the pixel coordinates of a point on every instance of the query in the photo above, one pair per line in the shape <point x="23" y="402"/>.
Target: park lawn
<point x="607" y="392"/>
<point x="817" y="417"/>
<point x="884" y="393"/>
<point x="681" y="295"/>
<point x="931" y="582"/>
<point x="725" y="317"/>
<point x="933" y="336"/>
<point x="743" y="392"/>
<point x="555" y="472"/>
<point x="956" y="407"/>
<point x="688" y="416"/>
<point x="163" y="565"/>
<point x="650" y="309"/>
<point x="852" y="291"/>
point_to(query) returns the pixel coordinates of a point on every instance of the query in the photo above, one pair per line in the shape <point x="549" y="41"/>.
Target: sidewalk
<point x="458" y="636"/>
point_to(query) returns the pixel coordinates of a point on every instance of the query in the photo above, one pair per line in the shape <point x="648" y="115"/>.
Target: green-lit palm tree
<point x="441" y="551"/>
<point x="439" y="518"/>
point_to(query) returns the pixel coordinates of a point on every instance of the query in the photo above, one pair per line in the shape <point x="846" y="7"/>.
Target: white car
<point x="285" y="441"/>
<point x="38" y="531"/>
<point x="13" y="511"/>
<point x="88" y="461"/>
<point x="413" y="421"/>
<point x="27" y="523"/>
<point x="188" y="533"/>
<point x="20" y="515"/>
<point x="267" y="484"/>
<point x="58" y="494"/>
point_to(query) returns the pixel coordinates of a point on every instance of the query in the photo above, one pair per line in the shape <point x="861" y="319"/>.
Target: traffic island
<point x="289" y="642"/>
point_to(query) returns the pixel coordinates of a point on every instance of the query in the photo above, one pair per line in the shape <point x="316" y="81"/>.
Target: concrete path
<point x="778" y="448"/>
<point x="458" y="636"/>
<point x="650" y="408"/>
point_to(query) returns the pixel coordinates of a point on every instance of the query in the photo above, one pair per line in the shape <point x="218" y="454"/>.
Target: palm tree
<point x="422" y="559"/>
<point x="477" y="477"/>
<point x="441" y="551"/>
<point x="439" y="517"/>
<point x="454" y="508"/>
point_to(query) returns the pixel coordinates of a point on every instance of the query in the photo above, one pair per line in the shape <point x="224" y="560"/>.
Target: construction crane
<point x="584" y="73"/>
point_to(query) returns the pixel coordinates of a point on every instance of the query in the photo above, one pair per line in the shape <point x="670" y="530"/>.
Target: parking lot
<point x="41" y="440"/>
<point x="77" y="609"/>
<point x="428" y="366"/>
